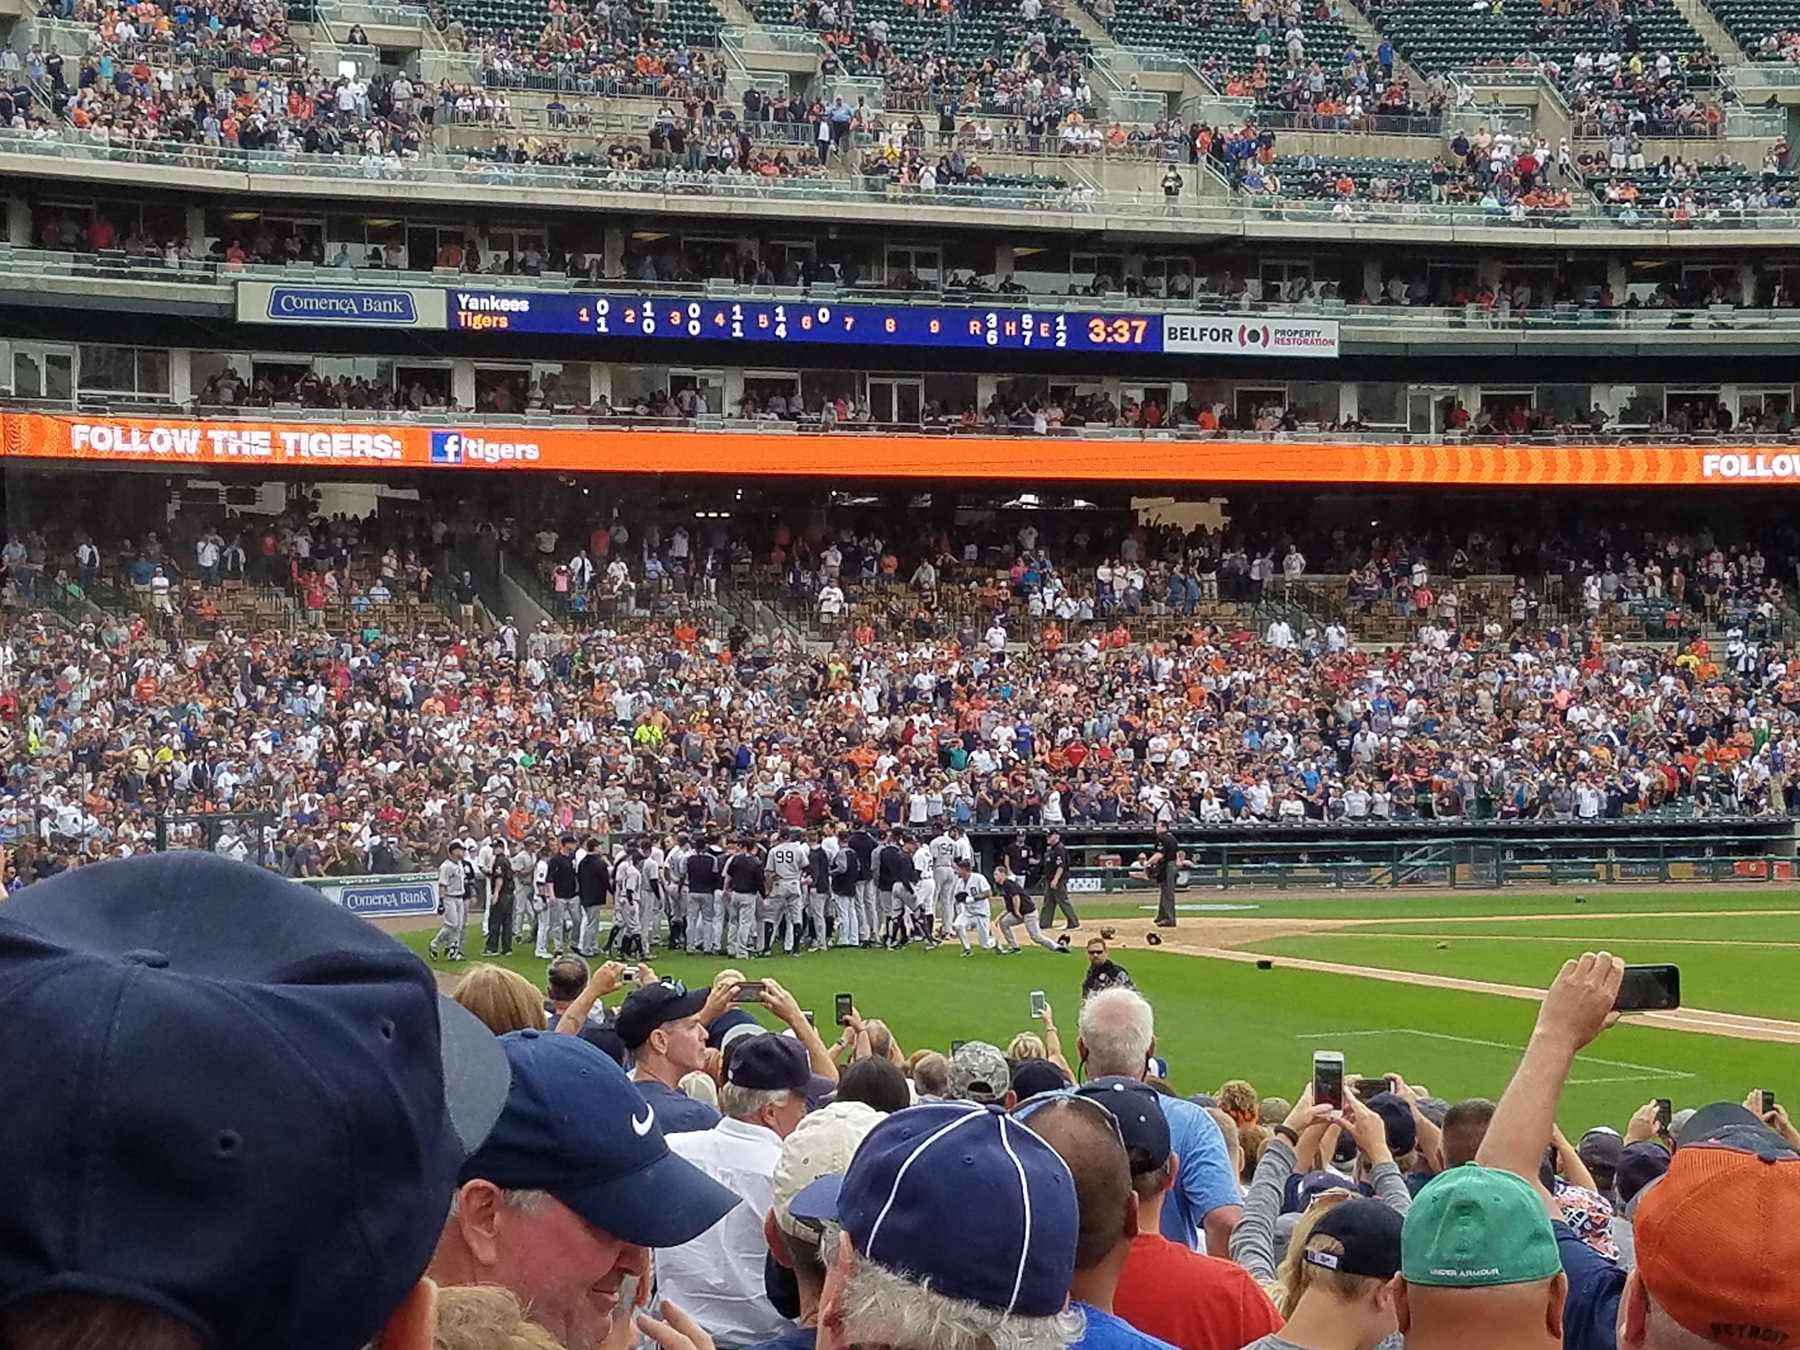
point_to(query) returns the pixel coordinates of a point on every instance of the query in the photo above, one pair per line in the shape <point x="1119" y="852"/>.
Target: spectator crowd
<point x="560" y="1171"/>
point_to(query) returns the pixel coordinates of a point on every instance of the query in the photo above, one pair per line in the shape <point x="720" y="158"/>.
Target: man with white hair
<point x="971" y="1248"/>
<point x="1118" y="1036"/>
<point x="717" y="1277"/>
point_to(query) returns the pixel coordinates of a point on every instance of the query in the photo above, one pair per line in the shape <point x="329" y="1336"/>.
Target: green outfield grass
<point x="1741" y="964"/>
<point x="1225" y="1019"/>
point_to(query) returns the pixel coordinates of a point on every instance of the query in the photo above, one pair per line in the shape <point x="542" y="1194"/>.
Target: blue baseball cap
<point x="961" y="1196"/>
<point x="574" y="1126"/>
<point x="1143" y="1127"/>
<point x="246" y="1106"/>
<point x="769" y="1062"/>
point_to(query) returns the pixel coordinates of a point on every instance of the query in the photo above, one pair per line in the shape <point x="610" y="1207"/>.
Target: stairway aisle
<point x="1699" y="13"/>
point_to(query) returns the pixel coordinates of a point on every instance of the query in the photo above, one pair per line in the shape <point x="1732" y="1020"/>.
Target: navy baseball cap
<point x="1369" y="1233"/>
<point x="961" y="1196"/>
<point x="1034" y="1076"/>
<point x="1397" y="1116"/>
<point x="655" y="1005"/>
<point x="247" y="1106"/>
<point x="574" y="1126"/>
<point x="769" y="1062"/>
<point x="1142" y="1125"/>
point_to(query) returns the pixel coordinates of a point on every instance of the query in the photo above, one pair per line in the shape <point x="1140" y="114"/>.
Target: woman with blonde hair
<point x="1029" y="1045"/>
<point x="485" y="1317"/>
<point x="503" y="1000"/>
<point x="1335" y="1282"/>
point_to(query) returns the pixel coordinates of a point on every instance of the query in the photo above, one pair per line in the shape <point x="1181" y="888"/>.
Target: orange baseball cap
<point x="1718" y="1244"/>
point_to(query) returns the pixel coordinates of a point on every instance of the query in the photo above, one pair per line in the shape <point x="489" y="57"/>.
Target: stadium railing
<point x="678" y="190"/>
<point x="1375" y="319"/>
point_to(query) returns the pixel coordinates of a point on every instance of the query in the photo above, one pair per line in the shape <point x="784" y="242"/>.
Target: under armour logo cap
<point x="574" y="1126"/>
<point x="961" y="1197"/>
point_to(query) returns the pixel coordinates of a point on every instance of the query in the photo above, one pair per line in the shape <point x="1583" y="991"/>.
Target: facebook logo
<point x="446" y="447"/>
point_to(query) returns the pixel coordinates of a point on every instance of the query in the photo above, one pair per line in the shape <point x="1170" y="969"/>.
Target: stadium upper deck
<point x="1594" y="125"/>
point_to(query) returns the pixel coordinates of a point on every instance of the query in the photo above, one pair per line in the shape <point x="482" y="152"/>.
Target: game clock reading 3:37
<point x="772" y="321"/>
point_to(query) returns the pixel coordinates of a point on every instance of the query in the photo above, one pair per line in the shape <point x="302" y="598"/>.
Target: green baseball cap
<point x="1477" y="1226"/>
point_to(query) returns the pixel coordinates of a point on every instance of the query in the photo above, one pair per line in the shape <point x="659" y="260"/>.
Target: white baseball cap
<point x="822" y="1145"/>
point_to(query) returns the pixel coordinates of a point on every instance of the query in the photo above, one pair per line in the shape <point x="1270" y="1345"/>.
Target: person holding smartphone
<point x="974" y="907"/>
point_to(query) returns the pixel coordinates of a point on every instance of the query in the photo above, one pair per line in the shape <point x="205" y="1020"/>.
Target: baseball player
<point x="746" y="882"/>
<point x="543" y="904"/>
<point x="453" y="891"/>
<point x="868" y="915"/>
<point x="950" y="845"/>
<point x="924" y="893"/>
<point x="973" y="895"/>
<point x="789" y="875"/>
<point x="674" y="889"/>
<point x="656" y="883"/>
<point x="628" y="899"/>
<point x="893" y="887"/>
<point x="844" y="877"/>
<point x="818" y="892"/>
<point x="704" y="879"/>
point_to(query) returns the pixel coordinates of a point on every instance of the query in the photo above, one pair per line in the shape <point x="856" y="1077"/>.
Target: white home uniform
<point x="924" y="893"/>
<point x="545" y="907"/>
<point x="788" y="862"/>
<point x="974" y="909"/>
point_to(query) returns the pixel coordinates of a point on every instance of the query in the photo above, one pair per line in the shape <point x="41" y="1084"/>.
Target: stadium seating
<point x="1757" y="24"/>
<point x="979" y="42"/>
<point x="1452" y="34"/>
<point x="1409" y="179"/>
<point x="691" y="22"/>
<point x="1705" y="184"/>
<point x="1225" y="44"/>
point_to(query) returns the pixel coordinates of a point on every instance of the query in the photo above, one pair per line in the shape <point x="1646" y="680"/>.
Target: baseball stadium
<point x="944" y="532"/>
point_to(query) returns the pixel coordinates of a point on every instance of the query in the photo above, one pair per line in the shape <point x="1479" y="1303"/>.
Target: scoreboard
<point x="831" y="324"/>
<point x="1010" y="326"/>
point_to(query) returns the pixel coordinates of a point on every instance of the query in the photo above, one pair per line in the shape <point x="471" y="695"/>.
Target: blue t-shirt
<point x="1591" y="1315"/>
<point x="794" y="1338"/>
<point x="1106" y="1332"/>
<point x="676" y="1112"/>
<point x="1204" y="1180"/>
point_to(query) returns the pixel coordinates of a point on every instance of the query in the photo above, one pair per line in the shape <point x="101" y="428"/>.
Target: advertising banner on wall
<point x="187" y="444"/>
<point x="340" y="306"/>
<point x="382" y="897"/>
<point x="1256" y="335"/>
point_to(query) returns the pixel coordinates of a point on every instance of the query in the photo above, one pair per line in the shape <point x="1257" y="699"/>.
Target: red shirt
<point x="1193" y="1302"/>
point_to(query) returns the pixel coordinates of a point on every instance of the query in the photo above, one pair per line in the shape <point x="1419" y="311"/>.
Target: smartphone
<point x="1037" y="1003"/>
<point x="1328" y="1078"/>
<point x="1664" y="1112"/>
<point x="1368" y="1088"/>
<point x="957" y="1045"/>
<point x="629" y="973"/>
<point x="750" y="991"/>
<point x="807" y="1013"/>
<point x="844" y="1005"/>
<point x="1649" y="989"/>
<point x="1768" y="1102"/>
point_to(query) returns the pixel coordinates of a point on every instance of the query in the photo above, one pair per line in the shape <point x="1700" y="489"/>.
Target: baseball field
<point x="1440" y="988"/>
